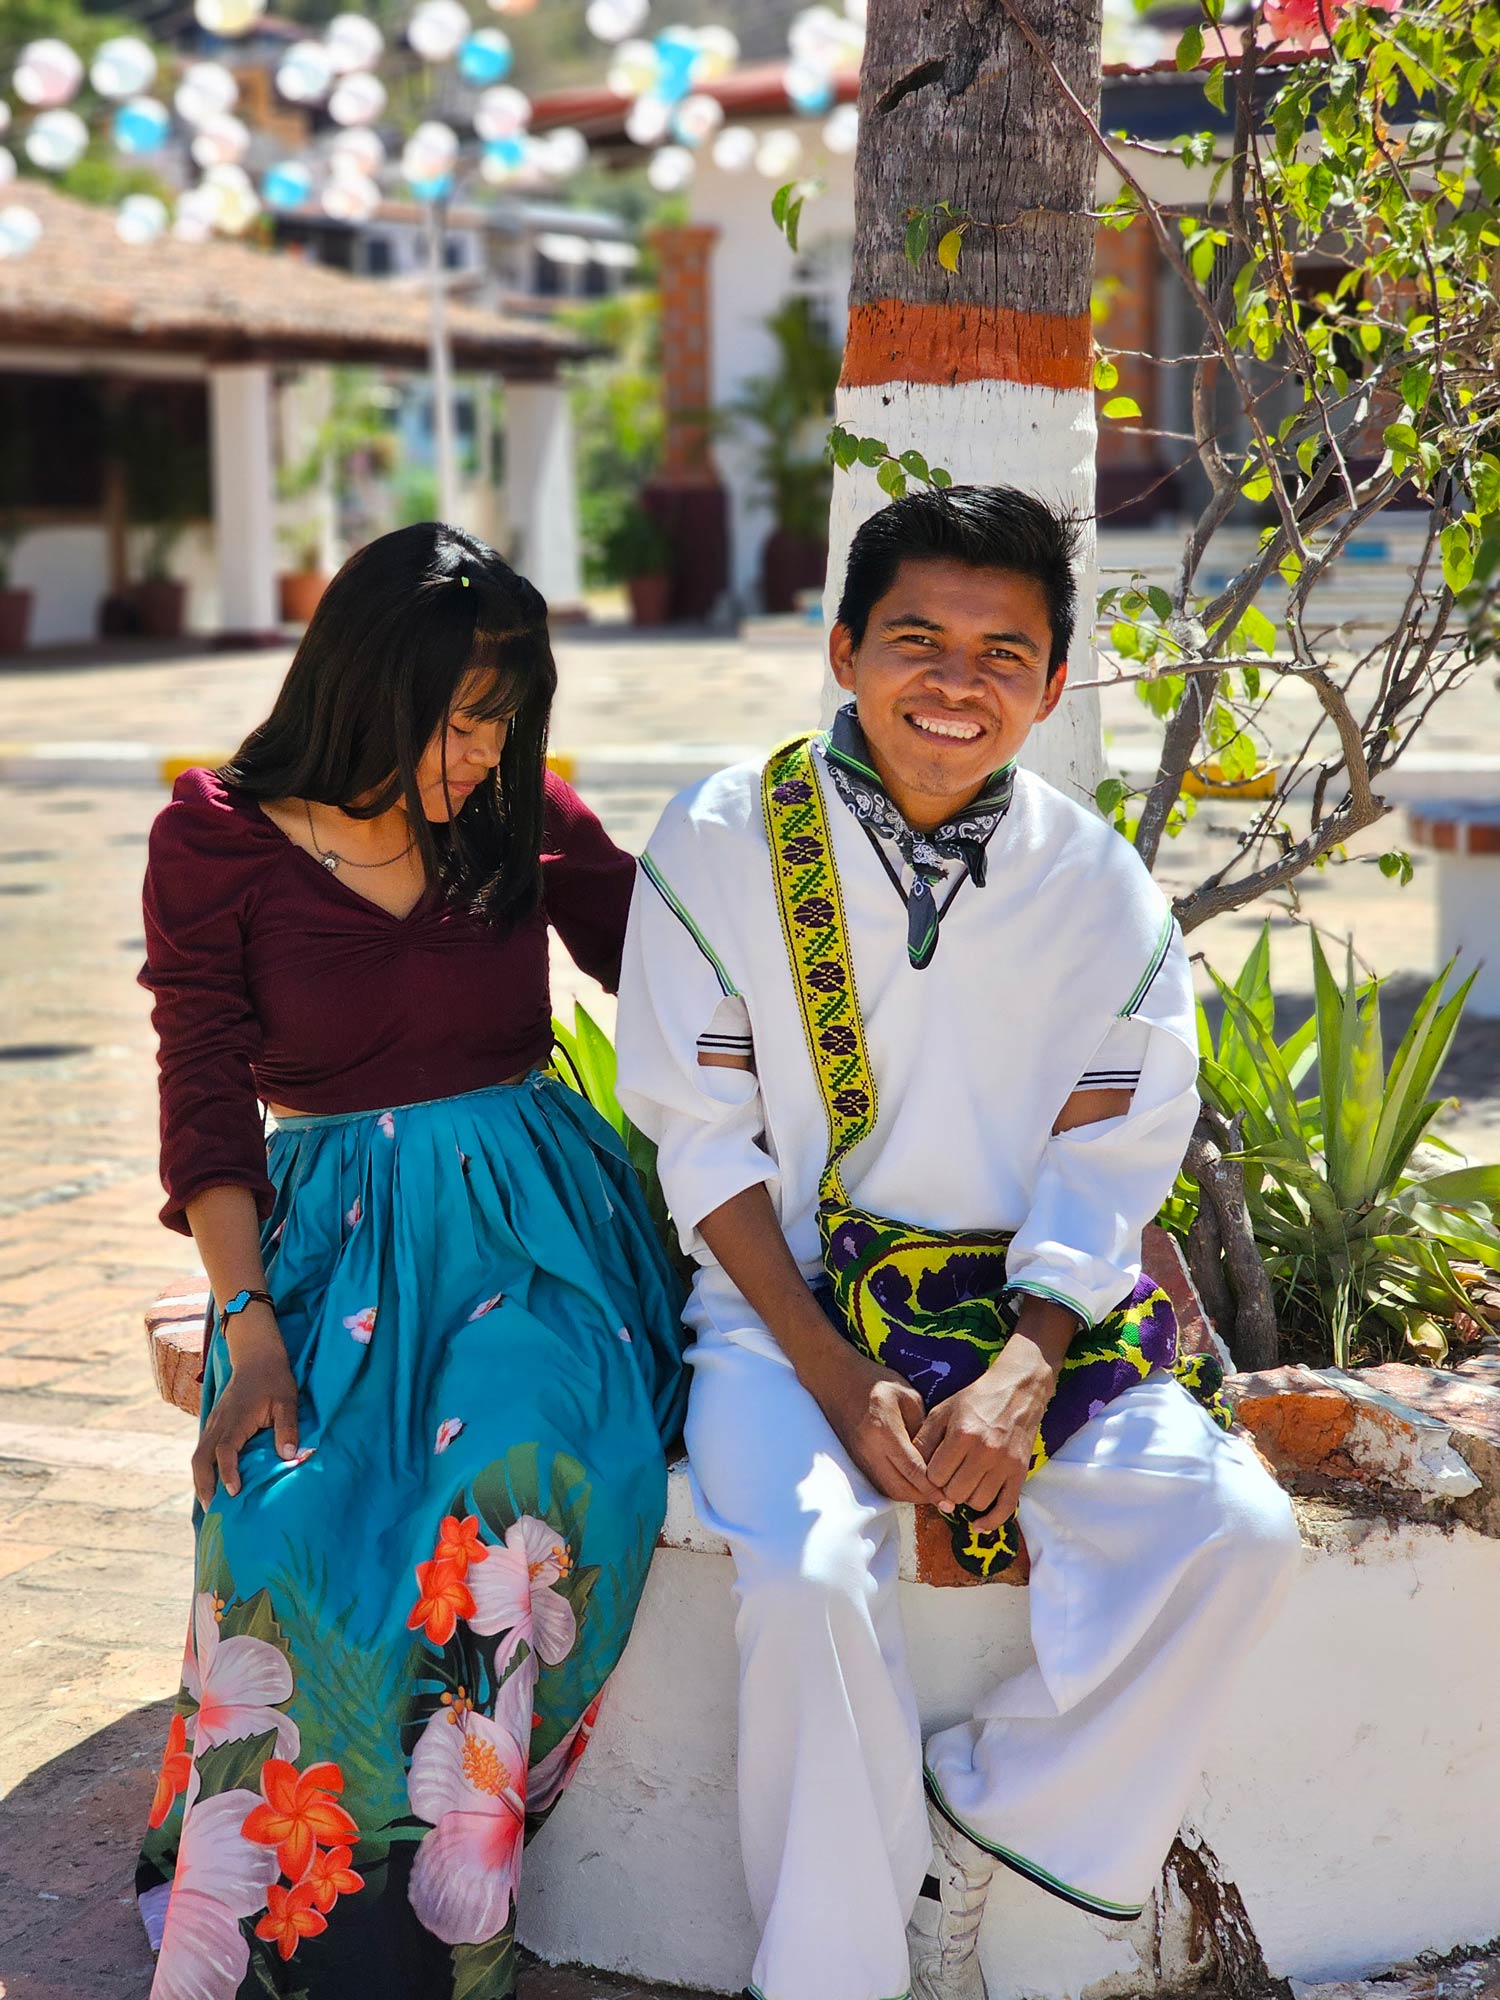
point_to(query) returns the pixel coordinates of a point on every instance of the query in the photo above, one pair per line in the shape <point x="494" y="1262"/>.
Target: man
<point x="976" y="1013"/>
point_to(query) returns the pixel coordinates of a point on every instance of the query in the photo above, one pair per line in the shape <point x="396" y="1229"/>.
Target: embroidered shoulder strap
<point x="811" y="907"/>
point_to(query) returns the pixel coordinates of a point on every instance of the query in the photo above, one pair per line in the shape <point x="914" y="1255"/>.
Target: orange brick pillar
<point x="687" y="495"/>
<point x="1126" y="269"/>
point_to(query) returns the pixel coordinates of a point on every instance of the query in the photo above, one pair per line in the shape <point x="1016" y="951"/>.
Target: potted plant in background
<point x="788" y="411"/>
<point x="15" y="605"/>
<point x="635" y="550"/>
<point x="301" y="588"/>
<point x="166" y="483"/>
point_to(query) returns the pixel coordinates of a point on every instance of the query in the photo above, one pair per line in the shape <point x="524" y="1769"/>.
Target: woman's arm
<point x="261" y="1393"/>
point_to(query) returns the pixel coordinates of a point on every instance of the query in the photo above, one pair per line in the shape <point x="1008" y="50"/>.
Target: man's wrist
<point x="1047" y="1328"/>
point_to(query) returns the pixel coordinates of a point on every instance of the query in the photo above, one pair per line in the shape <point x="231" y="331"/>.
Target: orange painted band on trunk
<point x="890" y="341"/>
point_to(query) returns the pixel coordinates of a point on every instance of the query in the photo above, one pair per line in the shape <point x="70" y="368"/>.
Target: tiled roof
<point x="82" y="287"/>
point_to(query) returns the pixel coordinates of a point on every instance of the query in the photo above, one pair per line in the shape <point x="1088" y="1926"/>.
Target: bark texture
<point x="955" y="107"/>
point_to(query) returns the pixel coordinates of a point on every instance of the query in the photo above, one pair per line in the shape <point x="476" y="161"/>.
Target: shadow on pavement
<point x="68" y="1838"/>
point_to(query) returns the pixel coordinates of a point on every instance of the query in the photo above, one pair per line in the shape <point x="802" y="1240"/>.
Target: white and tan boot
<point x="943" y="1935"/>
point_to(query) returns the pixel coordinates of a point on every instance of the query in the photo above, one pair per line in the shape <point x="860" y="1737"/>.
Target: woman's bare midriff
<point x="286" y="1111"/>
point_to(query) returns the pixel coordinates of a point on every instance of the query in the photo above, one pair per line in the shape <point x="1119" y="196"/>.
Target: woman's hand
<point x="261" y="1395"/>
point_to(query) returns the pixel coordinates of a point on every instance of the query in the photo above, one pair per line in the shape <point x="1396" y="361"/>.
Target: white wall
<point x="1354" y="1795"/>
<point x="753" y="271"/>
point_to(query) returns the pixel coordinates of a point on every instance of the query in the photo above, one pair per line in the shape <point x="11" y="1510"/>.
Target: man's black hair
<point x="987" y="527"/>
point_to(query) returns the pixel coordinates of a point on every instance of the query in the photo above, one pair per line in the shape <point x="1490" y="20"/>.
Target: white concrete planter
<point x="1355" y="1800"/>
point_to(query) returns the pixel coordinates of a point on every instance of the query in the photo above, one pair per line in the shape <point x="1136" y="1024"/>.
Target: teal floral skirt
<point x="399" y="1639"/>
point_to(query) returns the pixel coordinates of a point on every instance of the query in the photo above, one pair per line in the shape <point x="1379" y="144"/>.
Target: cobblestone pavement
<point x="95" y="1541"/>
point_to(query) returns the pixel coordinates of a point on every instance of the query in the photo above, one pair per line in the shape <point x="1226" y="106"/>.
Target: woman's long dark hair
<point x="400" y="627"/>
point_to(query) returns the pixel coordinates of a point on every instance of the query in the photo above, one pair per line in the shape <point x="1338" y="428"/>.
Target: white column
<point x="541" y="491"/>
<point x="244" y="496"/>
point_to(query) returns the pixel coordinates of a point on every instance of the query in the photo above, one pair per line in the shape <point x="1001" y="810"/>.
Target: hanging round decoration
<point x="20" y="230"/>
<point x="286" y="186"/>
<point x="616" y="20"/>
<point x="671" y="169"/>
<point x="357" y="100"/>
<point x="734" y="149"/>
<point x="57" y="140"/>
<point x="207" y="90"/>
<point x="502" y="113"/>
<point x="124" y="66"/>
<point x="485" y="57"/>
<point x="230" y="18"/>
<point x="141" y="219"/>
<point x="48" y="74"/>
<point x="438" y="30"/>
<point x="353" y="43"/>
<point x="142" y="126"/>
<point x="305" y="74"/>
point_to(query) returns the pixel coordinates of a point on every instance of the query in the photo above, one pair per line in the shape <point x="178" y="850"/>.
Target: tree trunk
<point x="987" y="370"/>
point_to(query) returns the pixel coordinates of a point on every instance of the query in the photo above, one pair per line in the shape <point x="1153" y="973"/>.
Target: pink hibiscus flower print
<point x="513" y="1593"/>
<point x="486" y="1306"/>
<point x="356" y="1210"/>
<point x="387" y="1124"/>
<point x="362" y="1324"/>
<point x="447" y="1431"/>
<point x="237" y="1684"/>
<point x="220" y="1878"/>
<point x="550" y="1778"/>
<point x="468" y="1778"/>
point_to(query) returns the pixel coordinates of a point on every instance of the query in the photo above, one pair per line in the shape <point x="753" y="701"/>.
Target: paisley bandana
<point x="963" y="838"/>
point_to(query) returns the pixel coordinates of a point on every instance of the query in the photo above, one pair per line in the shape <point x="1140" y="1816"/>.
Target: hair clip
<point x="464" y="581"/>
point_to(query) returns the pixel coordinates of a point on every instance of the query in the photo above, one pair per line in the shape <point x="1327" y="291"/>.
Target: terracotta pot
<point x="650" y="598"/>
<point x="788" y="564"/>
<point x="161" y="602"/>
<point x="301" y="591"/>
<point x="15" y="620"/>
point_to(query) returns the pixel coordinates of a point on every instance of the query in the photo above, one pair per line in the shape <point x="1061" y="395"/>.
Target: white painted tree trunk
<point x="989" y="433"/>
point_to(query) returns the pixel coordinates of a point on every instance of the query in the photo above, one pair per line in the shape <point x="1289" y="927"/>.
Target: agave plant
<point x="1367" y="1249"/>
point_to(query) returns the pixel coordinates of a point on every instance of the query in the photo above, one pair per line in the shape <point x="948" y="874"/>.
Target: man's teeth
<point x="961" y="732"/>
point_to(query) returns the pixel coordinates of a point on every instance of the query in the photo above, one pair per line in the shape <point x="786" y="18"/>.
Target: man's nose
<point x="955" y="672"/>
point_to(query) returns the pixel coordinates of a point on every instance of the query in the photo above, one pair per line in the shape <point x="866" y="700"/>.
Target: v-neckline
<point x="331" y="876"/>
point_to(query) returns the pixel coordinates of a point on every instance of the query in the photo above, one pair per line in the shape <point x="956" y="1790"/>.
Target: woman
<point x="445" y="1353"/>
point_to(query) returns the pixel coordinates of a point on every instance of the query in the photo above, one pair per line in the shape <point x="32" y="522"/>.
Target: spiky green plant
<point x="1364" y="1249"/>
<point x="586" y="1063"/>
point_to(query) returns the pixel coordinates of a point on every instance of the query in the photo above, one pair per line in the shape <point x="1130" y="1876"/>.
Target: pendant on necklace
<point x="330" y="862"/>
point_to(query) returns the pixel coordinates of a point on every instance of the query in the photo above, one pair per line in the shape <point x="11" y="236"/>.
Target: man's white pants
<point x="1160" y="1548"/>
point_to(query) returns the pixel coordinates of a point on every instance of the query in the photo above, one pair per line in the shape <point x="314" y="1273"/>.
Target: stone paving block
<point x="18" y="1556"/>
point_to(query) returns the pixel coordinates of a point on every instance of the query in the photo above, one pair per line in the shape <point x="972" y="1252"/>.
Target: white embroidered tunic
<point x="1064" y="969"/>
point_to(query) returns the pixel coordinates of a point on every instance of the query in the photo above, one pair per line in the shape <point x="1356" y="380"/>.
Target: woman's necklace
<point x="333" y="862"/>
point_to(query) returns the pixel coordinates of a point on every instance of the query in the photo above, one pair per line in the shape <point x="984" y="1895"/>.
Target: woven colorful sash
<point x="930" y="1304"/>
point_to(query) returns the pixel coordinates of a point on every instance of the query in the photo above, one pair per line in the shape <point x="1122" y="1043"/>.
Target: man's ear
<point x="1054" y="692"/>
<point x="841" y="655"/>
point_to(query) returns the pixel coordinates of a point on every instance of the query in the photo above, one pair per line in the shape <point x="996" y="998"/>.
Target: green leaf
<point x="872" y="451"/>
<point x="918" y="232"/>
<point x="1109" y="796"/>
<point x="1458" y="556"/>
<point x="1160" y="600"/>
<point x="794" y="221"/>
<point x="1121" y="406"/>
<point x="253" y="1619"/>
<point x="1361" y="1090"/>
<point x="485" y="1971"/>
<point x="1258" y="487"/>
<point x="915" y="464"/>
<point x="234" y="1767"/>
<point x="941" y="476"/>
<point x="1255" y="629"/>
<point x="1190" y="48"/>
<point x="1422" y="1052"/>
<point x="1213" y="88"/>
<point x="950" y="246"/>
<point x="1396" y="866"/>
<point x="1106" y="375"/>
<point x="780" y="202"/>
<point x="892" y="479"/>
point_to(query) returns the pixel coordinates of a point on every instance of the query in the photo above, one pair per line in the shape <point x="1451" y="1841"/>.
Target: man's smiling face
<point x="949" y="680"/>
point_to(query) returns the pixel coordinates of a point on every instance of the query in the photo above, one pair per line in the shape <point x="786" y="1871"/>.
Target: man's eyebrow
<point x="915" y="620"/>
<point x="910" y="618"/>
<point x="1013" y="639"/>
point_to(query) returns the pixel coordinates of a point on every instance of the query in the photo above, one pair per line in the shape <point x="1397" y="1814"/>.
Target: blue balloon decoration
<point x="811" y="95"/>
<point x="485" y="58"/>
<point x="678" y="56"/>
<point x="437" y="189"/>
<point x="509" y="152"/>
<point x="142" y="126"/>
<point x="287" y="185"/>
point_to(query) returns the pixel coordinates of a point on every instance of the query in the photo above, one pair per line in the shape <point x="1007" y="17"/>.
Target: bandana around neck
<point x="962" y="838"/>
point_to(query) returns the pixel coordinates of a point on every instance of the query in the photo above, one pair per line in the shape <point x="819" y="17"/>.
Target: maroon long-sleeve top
<point x="276" y="982"/>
